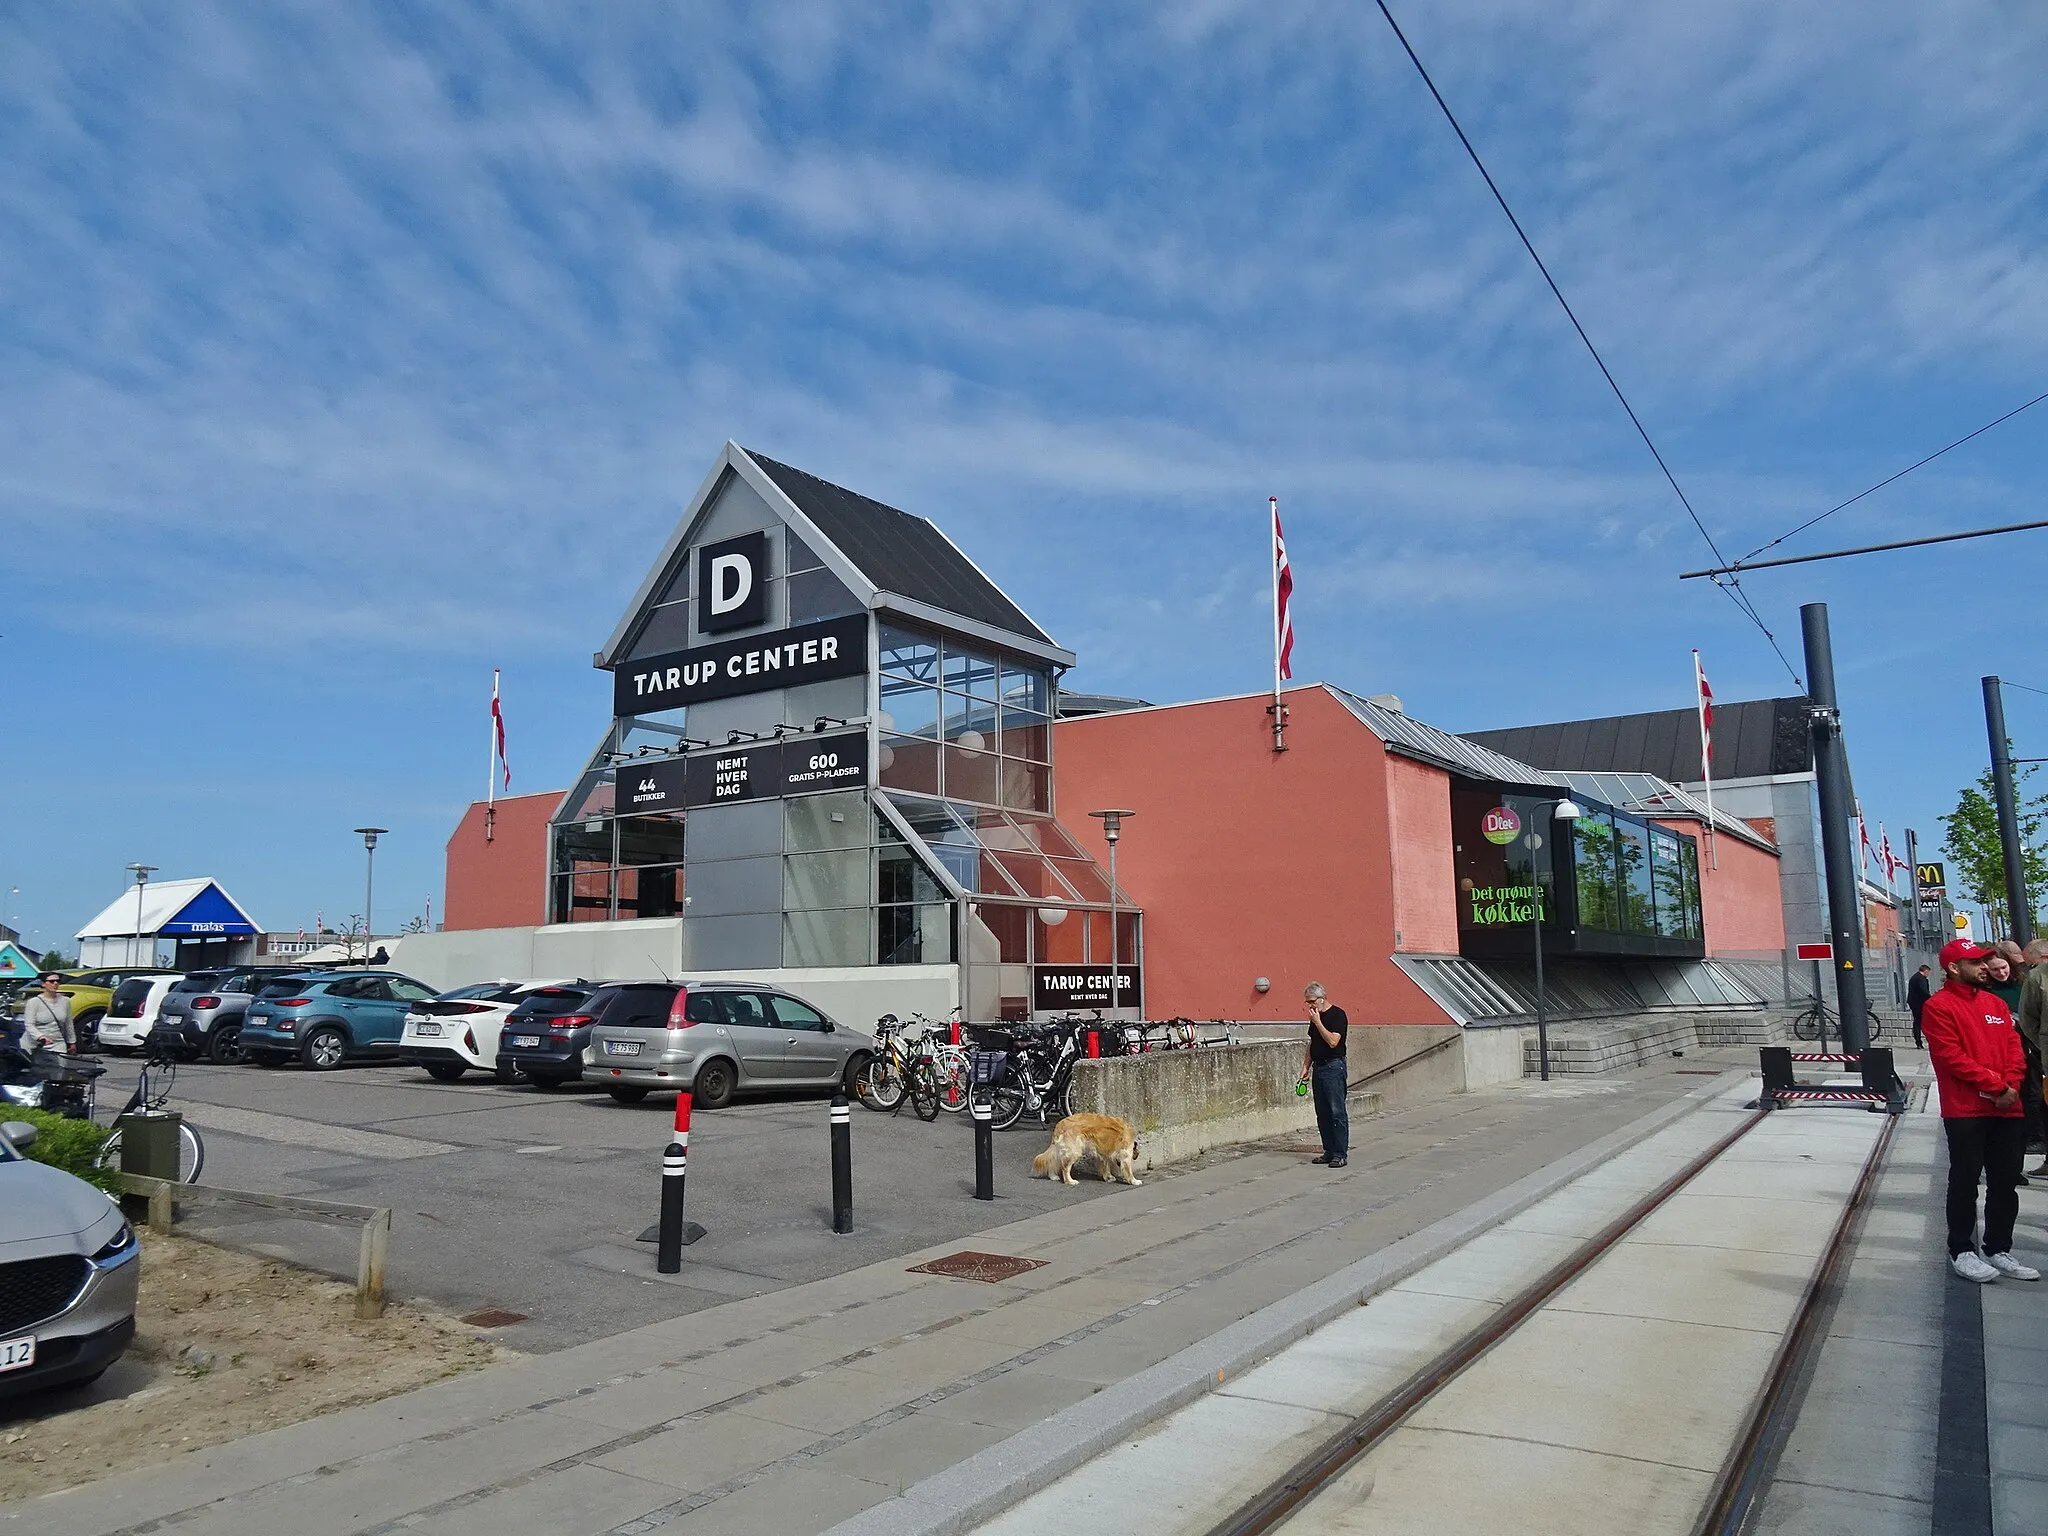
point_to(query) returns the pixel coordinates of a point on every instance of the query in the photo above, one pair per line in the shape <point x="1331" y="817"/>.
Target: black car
<point x="544" y="1036"/>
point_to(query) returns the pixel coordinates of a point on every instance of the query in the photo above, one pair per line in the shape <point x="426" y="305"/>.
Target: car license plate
<point x="429" y="1030"/>
<point x="526" y="1039"/>
<point x="15" y="1354"/>
<point x="622" y="1047"/>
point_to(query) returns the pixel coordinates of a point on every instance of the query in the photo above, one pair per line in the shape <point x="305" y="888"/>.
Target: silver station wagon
<point x="718" y="1038"/>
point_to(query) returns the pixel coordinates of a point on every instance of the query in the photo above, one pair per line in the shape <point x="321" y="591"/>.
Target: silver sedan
<point x="69" y="1270"/>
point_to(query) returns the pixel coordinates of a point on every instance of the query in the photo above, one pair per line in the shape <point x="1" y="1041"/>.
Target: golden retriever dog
<point x="1108" y="1140"/>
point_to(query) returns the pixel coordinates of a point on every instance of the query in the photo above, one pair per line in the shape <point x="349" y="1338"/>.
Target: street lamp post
<point x="1567" y="812"/>
<point x="370" y="836"/>
<point x="141" y="872"/>
<point x="1112" y="829"/>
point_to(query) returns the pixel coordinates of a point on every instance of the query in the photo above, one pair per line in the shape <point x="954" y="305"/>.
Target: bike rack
<point x="1880" y="1088"/>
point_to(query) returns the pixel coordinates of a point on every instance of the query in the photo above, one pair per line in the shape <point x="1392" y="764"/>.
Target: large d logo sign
<point x="732" y="590"/>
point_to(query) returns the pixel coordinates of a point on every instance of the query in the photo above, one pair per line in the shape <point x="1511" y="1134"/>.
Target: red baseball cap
<point x="1963" y="949"/>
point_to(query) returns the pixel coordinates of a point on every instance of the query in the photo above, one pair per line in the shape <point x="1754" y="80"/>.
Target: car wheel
<point x="628" y="1095"/>
<point x="445" y="1071"/>
<point x="87" y="1025"/>
<point x="714" y="1085"/>
<point x="324" y="1049"/>
<point x="224" y="1046"/>
<point x="854" y="1068"/>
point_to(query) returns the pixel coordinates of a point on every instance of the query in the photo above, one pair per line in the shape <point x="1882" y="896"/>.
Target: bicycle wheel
<point x="191" y="1153"/>
<point x="1807" y="1025"/>
<point x="924" y="1091"/>
<point x="879" y="1085"/>
<point x="1006" y="1105"/>
<point x="956" y="1079"/>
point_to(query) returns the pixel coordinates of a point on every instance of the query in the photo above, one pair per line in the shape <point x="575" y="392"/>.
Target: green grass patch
<point x="73" y="1145"/>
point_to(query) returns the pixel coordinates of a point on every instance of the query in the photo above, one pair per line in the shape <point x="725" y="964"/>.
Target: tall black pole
<point x="2019" y="912"/>
<point x="1913" y="863"/>
<point x="1831" y="765"/>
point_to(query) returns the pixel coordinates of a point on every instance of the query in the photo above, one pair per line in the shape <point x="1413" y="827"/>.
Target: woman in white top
<point x="47" y="1018"/>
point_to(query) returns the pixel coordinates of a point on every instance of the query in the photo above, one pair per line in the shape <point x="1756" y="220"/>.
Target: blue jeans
<point x="1329" y="1080"/>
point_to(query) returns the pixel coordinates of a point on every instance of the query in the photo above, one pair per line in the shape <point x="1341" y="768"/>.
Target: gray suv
<point x="718" y="1038"/>
<point x="206" y="1010"/>
<point x="69" y="1268"/>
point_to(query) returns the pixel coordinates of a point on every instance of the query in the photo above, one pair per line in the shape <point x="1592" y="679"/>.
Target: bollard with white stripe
<point x="984" y="1149"/>
<point x="674" y="1232"/>
<point x="842" y="1165"/>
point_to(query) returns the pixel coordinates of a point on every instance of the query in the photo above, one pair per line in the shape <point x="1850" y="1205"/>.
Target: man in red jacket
<point x="1979" y="1067"/>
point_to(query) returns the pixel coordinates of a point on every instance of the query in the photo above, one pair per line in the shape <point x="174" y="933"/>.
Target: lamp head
<point x="1567" y="810"/>
<point x="371" y="834"/>
<point x="1112" y="822"/>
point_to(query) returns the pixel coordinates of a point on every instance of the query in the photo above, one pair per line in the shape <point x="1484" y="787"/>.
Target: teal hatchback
<point x="330" y="1018"/>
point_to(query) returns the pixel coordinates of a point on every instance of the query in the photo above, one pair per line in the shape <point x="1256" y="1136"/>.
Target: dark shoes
<point x="1339" y="1162"/>
<point x="1323" y="1159"/>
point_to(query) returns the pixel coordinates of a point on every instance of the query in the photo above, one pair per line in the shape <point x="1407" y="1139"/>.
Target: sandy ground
<point x="226" y="1344"/>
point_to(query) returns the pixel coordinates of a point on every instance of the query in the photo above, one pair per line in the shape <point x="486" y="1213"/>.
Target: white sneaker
<point x="2011" y="1267"/>
<point x="1971" y="1267"/>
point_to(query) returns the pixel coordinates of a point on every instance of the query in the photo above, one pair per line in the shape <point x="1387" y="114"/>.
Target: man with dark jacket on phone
<point x="1918" y="990"/>
<point x="1979" y="1068"/>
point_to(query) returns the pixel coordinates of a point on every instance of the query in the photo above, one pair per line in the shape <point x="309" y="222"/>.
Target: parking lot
<point x="530" y="1202"/>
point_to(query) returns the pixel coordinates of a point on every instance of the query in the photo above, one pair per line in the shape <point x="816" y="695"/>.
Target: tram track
<point x="1746" y="1473"/>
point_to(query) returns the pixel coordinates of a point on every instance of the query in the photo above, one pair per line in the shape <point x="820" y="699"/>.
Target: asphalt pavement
<point x="518" y="1200"/>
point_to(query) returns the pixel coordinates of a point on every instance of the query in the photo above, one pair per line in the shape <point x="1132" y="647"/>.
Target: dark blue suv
<point x="328" y="1019"/>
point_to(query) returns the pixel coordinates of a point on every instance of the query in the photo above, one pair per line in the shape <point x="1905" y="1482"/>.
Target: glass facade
<point x="1606" y="883"/>
<point x="951" y="857"/>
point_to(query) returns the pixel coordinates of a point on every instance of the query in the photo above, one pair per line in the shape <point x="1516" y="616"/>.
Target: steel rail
<point x="1754" y="1459"/>
<point x="1308" y="1477"/>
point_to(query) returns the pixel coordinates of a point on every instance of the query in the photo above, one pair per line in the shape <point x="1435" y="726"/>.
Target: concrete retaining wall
<point x="1588" y="1047"/>
<point x="1185" y="1102"/>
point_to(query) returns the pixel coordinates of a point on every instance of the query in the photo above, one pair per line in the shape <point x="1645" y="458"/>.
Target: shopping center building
<point x="835" y="759"/>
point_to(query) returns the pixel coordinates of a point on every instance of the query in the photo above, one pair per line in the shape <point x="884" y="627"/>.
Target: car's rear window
<point x="287" y="988"/>
<point x="201" y="981"/>
<point x="553" y="1002"/>
<point x="131" y="992"/>
<point x="483" y="992"/>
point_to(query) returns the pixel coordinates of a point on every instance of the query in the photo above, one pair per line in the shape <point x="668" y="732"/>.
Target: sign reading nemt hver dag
<point x="1494" y="906"/>
<point x="782" y="658"/>
<point x="768" y="770"/>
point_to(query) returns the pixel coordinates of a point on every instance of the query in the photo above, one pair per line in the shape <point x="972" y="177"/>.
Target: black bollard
<point x="842" y="1165"/>
<point x="675" y="1164"/>
<point x="984" y="1150"/>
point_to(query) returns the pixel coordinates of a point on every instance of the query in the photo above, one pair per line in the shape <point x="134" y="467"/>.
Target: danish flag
<point x="1283" y="599"/>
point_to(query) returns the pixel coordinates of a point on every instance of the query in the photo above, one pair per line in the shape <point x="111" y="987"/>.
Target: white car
<point x="459" y="1030"/>
<point x="132" y="1014"/>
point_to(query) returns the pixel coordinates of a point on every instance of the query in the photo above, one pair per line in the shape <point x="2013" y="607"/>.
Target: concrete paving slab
<point x="830" y="1402"/>
<point x="802" y="1499"/>
<point x="1866" y="1422"/>
<point x="580" y="1501"/>
<point x="909" y="1449"/>
<point x="2019" y="1505"/>
<point x="649" y="1399"/>
<point x="1754" y="1291"/>
<point x="1013" y="1400"/>
<point x="1608" y="1384"/>
<point x="1421" y="1484"/>
<point x="1174" y="1481"/>
<point x="703" y="1453"/>
<point x="1693" y="1218"/>
<point x="1351" y="1363"/>
<point x="1797" y="1509"/>
<point x="935" y="1360"/>
<point x="1494" y="1267"/>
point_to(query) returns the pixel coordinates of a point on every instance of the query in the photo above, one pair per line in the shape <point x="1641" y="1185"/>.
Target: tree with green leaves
<point x="1977" y="856"/>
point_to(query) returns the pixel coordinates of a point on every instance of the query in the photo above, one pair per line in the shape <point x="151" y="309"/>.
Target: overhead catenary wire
<point x="1732" y="586"/>
<point x="1719" y="571"/>
<point x="1888" y="479"/>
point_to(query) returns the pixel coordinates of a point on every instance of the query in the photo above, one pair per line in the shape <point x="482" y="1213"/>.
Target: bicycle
<point x="901" y="1069"/>
<point x="152" y="1093"/>
<point x="1036" y="1073"/>
<point x="949" y="1061"/>
<point x="1819" y="1021"/>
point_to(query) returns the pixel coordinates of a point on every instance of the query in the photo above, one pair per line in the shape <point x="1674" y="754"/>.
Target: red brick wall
<point x="1424" y="871"/>
<point x="1249" y="862"/>
<point x="501" y="883"/>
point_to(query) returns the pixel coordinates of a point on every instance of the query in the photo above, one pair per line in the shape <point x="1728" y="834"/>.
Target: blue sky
<point x="347" y="352"/>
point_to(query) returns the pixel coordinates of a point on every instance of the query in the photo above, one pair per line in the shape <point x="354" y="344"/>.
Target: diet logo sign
<point x="732" y="583"/>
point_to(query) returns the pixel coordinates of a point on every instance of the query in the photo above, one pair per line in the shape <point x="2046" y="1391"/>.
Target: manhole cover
<point x="978" y="1266"/>
<point x="494" y="1317"/>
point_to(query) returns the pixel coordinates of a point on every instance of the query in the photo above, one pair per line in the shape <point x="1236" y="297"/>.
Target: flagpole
<point x="1699" y="707"/>
<point x="1279" y="710"/>
<point x="491" y="777"/>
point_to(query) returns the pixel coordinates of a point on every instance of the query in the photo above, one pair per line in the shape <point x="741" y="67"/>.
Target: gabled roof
<point x="15" y="962"/>
<point x="890" y="560"/>
<point x="1648" y="795"/>
<point x="170" y="906"/>
<point x="901" y="554"/>
<point x="1753" y="739"/>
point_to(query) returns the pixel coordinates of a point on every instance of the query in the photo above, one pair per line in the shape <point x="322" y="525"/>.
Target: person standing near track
<point x="1328" y="1074"/>
<point x="1918" y="990"/>
<point x="2033" y="1022"/>
<point x="1979" y="1068"/>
